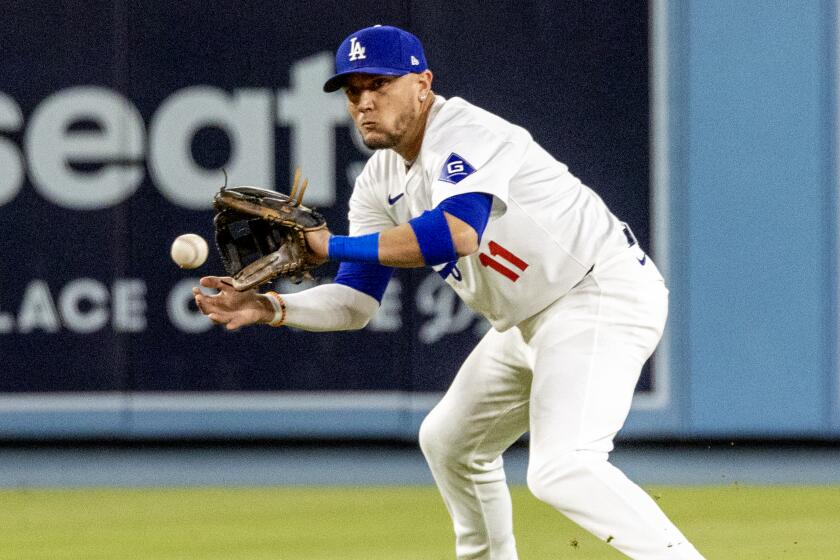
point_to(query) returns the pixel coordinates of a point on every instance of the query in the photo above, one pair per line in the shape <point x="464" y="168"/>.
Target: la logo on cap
<point x="357" y="51"/>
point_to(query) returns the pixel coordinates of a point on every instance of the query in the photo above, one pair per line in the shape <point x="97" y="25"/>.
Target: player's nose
<point x="365" y="100"/>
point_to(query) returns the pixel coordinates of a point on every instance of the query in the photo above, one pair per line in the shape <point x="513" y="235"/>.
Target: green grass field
<point x="739" y="522"/>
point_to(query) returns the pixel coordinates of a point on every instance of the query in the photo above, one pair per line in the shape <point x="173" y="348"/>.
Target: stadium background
<point x="119" y="124"/>
<point x="709" y="126"/>
<point x="711" y="136"/>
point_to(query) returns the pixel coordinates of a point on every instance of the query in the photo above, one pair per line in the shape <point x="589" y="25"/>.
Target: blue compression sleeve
<point x="472" y="208"/>
<point x="433" y="236"/>
<point x="360" y="249"/>
<point x="368" y="278"/>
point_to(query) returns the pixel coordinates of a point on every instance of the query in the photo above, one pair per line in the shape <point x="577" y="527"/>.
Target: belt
<point x="628" y="233"/>
<point x="631" y="241"/>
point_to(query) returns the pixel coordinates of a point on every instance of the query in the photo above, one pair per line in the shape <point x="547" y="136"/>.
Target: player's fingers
<point x="218" y="282"/>
<point x="197" y="298"/>
<point x="207" y="304"/>
<point x="202" y="299"/>
<point x="209" y="301"/>
<point x="237" y="321"/>
<point x="208" y="281"/>
<point x="218" y="318"/>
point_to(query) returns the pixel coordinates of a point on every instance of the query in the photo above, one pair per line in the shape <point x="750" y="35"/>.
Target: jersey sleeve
<point x="367" y="214"/>
<point x="485" y="163"/>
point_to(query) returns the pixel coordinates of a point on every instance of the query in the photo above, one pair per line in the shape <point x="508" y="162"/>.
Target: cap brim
<point x="336" y="82"/>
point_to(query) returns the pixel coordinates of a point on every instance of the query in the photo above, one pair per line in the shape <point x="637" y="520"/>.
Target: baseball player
<point x="576" y="306"/>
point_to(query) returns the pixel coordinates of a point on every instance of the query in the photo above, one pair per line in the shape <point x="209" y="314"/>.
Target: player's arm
<point x="452" y="229"/>
<point x="438" y="236"/>
<point x="347" y="304"/>
<point x="399" y="246"/>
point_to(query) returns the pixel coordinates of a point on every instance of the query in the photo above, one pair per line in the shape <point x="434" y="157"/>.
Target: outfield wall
<point x="709" y="127"/>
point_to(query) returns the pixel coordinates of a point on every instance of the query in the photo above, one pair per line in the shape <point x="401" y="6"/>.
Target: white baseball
<point x="189" y="250"/>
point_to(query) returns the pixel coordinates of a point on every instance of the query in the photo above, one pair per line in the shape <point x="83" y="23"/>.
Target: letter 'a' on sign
<point x="455" y="169"/>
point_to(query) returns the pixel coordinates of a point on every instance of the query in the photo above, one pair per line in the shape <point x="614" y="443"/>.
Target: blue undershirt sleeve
<point x="368" y="278"/>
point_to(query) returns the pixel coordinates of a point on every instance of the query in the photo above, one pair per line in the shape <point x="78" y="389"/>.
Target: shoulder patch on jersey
<point x="455" y="168"/>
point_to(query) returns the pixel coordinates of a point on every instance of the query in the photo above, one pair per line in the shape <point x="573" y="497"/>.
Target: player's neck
<point x="414" y="140"/>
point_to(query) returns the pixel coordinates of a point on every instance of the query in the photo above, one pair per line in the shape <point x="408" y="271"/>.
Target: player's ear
<point x="425" y="84"/>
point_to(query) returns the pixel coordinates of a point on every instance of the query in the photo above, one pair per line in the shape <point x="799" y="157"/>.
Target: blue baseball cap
<point x="380" y="50"/>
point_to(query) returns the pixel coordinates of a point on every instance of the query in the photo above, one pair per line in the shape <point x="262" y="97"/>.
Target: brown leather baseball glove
<point x="260" y="234"/>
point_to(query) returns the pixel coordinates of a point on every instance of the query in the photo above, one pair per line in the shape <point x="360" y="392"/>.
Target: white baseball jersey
<point x="546" y="229"/>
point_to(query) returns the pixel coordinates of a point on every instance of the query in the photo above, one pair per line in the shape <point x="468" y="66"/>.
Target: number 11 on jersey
<point x="497" y="250"/>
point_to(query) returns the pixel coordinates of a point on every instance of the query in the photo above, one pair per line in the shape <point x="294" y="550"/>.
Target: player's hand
<point x="231" y="308"/>
<point x="319" y="244"/>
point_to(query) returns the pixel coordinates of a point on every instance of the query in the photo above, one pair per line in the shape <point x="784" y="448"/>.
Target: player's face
<point x="385" y="109"/>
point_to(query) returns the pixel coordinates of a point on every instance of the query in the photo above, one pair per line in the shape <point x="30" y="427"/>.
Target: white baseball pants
<point x="568" y="375"/>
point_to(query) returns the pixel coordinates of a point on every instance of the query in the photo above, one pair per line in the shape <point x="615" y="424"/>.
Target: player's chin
<point x="378" y="140"/>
